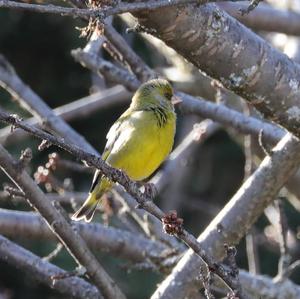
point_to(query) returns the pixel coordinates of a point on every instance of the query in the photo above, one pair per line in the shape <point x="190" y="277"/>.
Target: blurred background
<point x="38" y="46"/>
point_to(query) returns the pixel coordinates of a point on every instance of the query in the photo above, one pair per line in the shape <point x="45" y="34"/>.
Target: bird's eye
<point x="168" y="95"/>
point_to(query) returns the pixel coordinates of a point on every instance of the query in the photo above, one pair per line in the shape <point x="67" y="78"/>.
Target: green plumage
<point x="138" y="142"/>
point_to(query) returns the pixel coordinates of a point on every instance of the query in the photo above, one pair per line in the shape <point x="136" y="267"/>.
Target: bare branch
<point x="253" y="4"/>
<point x="12" y="222"/>
<point x="59" y="225"/>
<point x="149" y="224"/>
<point x="275" y="184"/>
<point x="113" y="73"/>
<point x="139" y="68"/>
<point x="42" y="271"/>
<point x="252" y="253"/>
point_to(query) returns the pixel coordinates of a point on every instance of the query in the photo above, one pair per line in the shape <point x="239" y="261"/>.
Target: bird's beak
<point x="175" y="100"/>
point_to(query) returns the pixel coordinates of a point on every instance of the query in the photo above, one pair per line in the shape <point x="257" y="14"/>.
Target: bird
<point x="138" y="142"/>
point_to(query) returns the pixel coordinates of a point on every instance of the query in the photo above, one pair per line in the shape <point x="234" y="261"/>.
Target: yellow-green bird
<point x="138" y="142"/>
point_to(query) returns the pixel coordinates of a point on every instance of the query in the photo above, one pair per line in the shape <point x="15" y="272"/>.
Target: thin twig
<point x="252" y="252"/>
<point x="282" y="228"/>
<point x="53" y="254"/>
<point x="251" y="247"/>
<point x="253" y="4"/>
<point x="94" y="13"/>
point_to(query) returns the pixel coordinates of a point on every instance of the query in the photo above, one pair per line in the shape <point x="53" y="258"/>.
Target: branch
<point x="198" y="134"/>
<point x="137" y="65"/>
<point x="107" y="69"/>
<point x="102" y="13"/>
<point x="65" y="198"/>
<point x="230" y="117"/>
<point x="10" y="81"/>
<point x="59" y="225"/>
<point x="149" y="223"/>
<point x="116" y="176"/>
<point x="265" y="18"/>
<point x="267" y="288"/>
<point x="79" y="109"/>
<point x="42" y="271"/>
<point x="251" y="68"/>
<point x="121" y="243"/>
<point x="272" y="185"/>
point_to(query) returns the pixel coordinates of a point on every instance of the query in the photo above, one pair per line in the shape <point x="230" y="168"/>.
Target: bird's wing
<point x="114" y="133"/>
<point x="111" y="137"/>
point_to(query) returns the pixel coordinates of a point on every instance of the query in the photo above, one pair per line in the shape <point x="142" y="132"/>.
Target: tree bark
<point x="226" y="50"/>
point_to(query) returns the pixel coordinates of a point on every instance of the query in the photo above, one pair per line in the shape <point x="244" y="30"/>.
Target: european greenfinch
<point x="138" y="142"/>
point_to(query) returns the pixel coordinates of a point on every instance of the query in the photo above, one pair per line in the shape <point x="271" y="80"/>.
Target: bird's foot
<point x="150" y="190"/>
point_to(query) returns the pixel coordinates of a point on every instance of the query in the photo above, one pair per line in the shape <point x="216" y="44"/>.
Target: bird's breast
<point x="143" y="144"/>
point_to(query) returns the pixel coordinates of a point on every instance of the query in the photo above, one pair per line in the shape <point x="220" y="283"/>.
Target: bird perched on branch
<point x="138" y="142"/>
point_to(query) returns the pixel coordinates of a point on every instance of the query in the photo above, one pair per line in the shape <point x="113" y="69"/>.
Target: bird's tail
<point x="88" y="209"/>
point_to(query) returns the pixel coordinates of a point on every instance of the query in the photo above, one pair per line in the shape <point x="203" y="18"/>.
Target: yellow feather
<point x="138" y="142"/>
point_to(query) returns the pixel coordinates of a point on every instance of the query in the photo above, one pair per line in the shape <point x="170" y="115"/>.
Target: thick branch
<point x="226" y="50"/>
<point x="42" y="271"/>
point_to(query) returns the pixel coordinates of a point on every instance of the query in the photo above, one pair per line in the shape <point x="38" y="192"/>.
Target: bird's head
<point x="156" y="92"/>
